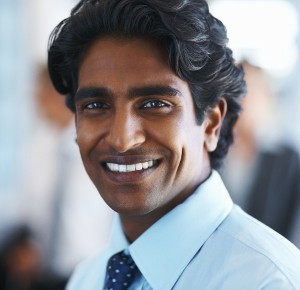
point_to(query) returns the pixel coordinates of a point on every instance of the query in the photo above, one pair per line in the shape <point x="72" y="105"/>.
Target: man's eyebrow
<point x="92" y="92"/>
<point x="154" y="90"/>
<point x="146" y="91"/>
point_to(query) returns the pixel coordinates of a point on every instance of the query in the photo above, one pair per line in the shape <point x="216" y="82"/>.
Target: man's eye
<point x="155" y="104"/>
<point x="96" y="105"/>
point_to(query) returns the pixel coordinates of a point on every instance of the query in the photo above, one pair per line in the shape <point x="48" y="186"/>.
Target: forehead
<point x="132" y="60"/>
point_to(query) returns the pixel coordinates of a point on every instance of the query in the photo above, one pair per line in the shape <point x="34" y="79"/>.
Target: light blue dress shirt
<point x="204" y="243"/>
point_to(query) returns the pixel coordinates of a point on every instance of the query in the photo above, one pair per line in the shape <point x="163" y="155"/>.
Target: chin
<point x="131" y="210"/>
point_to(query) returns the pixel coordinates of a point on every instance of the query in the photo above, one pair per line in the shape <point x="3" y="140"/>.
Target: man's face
<point x="136" y="128"/>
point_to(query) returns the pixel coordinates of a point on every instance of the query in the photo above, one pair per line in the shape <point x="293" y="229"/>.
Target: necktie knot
<point x="121" y="271"/>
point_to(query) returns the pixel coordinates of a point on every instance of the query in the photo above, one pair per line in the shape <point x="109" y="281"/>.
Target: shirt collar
<point x="166" y="248"/>
<point x="118" y="241"/>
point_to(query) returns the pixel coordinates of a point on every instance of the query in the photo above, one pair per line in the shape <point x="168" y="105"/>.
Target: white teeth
<point x="138" y="166"/>
<point x="130" y="167"/>
<point x="122" y="168"/>
<point x="111" y="166"/>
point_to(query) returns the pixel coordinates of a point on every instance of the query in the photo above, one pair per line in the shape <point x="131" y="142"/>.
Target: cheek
<point x="87" y="137"/>
<point x="192" y="148"/>
<point x="169" y="134"/>
<point x="195" y="142"/>
<point x="173" y="137"/>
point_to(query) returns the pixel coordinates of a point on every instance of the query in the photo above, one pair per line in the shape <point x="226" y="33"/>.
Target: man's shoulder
<point x="257" y="243"/>
<point x="248" y="230"/>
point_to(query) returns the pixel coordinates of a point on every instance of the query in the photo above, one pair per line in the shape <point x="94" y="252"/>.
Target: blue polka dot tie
<point x="120" y="273"/>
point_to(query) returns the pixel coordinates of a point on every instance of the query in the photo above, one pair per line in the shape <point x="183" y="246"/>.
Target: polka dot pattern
<point x="121" y="271"/>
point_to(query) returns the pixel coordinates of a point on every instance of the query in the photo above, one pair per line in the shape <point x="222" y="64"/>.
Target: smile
<point x="130" y="167"/>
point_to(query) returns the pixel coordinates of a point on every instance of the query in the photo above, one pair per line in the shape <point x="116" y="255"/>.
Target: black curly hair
<point x="196" y="43"/>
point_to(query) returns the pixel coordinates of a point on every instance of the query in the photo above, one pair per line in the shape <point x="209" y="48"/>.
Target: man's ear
<point x="213" y="124"/>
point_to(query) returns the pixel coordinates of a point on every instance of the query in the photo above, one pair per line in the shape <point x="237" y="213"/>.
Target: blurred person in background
<point x="20" y="263"/>
<point x="67" y="219"/>
<point x="262" y="171"/>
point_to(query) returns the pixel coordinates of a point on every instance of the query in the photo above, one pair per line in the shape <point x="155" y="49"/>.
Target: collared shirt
<point x="204" y="243"/>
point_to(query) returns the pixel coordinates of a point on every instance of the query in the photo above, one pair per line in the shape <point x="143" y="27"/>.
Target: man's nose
<point x="126" y="131"/>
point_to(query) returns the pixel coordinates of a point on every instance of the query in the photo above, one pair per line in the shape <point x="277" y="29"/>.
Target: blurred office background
<point x="262" y="169"/>
<point x="24" y="29"/>
<point x="264" y="32"/>
<point x="51" y="215"/>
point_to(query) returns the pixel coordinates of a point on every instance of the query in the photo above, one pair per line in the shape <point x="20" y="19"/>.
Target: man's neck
<point x="136" y="225"/>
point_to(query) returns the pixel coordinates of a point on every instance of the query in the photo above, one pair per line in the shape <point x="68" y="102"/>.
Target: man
<point x="155" y="93"/>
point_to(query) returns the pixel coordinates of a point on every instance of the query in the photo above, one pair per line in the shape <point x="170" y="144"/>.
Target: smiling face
<point x="137" y="131"/>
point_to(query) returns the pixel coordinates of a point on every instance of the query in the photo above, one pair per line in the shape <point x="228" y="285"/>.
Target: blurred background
<point x="262" y="170"/>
